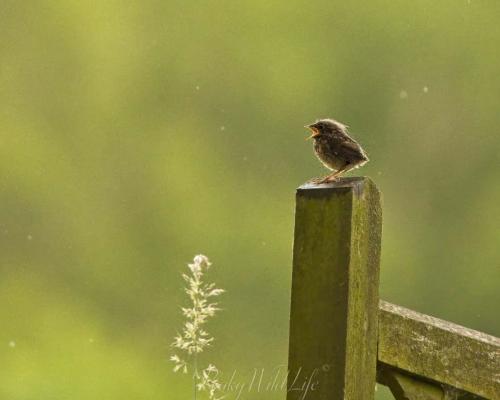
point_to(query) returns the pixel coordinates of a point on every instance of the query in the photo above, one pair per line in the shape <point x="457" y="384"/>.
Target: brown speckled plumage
<point x="335" y="148"/>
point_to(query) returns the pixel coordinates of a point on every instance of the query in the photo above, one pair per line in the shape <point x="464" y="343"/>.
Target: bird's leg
<point x="328" y="178"/>
<point x="335" y="175"/>
<point x="318" y="180"/>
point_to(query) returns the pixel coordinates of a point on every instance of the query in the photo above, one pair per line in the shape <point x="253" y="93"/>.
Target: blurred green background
<point x="134" y="135"/>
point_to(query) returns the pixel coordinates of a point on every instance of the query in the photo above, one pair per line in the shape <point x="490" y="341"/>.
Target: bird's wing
<point x="352" y="151"/>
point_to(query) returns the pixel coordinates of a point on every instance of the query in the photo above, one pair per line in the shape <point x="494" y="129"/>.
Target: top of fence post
<point x="334" y="305"/>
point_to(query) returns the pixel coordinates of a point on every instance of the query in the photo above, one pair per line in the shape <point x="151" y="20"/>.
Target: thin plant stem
<point x="195" y="376"/>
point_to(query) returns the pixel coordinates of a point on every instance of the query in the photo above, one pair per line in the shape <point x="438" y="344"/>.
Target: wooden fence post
<point x="334" y="306"/>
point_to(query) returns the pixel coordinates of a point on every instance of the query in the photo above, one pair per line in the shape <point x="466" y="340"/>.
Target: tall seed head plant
<point x="194" y="338"/>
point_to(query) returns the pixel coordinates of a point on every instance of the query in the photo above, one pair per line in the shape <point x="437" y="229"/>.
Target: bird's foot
<point x="316" y="180"/>
<point x="326" y="179"/>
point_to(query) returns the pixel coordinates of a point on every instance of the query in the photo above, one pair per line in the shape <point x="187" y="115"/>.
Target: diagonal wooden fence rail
<point x="343" y="339"/>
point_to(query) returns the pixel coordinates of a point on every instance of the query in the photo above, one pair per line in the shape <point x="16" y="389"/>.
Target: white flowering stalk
<point x="194" y="339"/>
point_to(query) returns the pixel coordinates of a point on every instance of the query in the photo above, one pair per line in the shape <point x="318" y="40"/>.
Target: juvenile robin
<point x="335" y="148"/>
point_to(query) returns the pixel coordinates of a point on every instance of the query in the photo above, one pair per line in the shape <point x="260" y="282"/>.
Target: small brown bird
<point x="335" y="148"/>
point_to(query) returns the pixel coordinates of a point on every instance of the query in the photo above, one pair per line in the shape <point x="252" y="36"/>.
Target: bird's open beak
<point x="314" y="131"/>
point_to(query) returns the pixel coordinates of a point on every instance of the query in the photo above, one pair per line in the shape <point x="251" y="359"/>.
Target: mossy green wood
<point x="405" y="387"/>
<point x="334" y="307"/>
<point x="438" y="350"/>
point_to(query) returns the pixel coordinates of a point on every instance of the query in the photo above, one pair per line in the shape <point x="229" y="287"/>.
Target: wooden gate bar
<point x="439" y="350"/>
